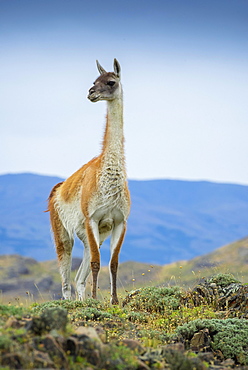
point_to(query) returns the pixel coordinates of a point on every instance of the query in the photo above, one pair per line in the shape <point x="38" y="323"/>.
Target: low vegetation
<point x="155" y="327"/>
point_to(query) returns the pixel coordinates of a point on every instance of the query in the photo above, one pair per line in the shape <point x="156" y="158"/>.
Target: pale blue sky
<point x="184" y="73"/>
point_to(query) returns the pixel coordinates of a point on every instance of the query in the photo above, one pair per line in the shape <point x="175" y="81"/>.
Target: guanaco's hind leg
<point x="84" y="269"/>
<point x="64" y="245"/>
<point x="115" y="246"/>
<point x="92" y="232"/>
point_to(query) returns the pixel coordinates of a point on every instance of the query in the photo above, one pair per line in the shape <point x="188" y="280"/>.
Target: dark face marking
<point x="104" y="87"/>
<point x="111" y="83"/>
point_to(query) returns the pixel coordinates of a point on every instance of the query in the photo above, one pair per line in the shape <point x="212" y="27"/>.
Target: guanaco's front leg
<point x="115" y="246"/>
<point x="93" y="240"/>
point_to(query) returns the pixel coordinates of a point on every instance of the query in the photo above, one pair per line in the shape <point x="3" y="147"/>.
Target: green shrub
<point x="137" y="317"/>
<point x="153" y="337"/>
<point x="10" y="310"/>
<point x="5" y="342"/>
<point x="223" y="280"/>
<point x="178" y="360"/>
<point x="230" y="336"/>
<point x="119" y="357"/>
<point x="88" y="310"/>
<point x="173" y="319"/>
<point x="156" y="299"/>
<point x="67" y="304"/>
<point x="91" y="313"/>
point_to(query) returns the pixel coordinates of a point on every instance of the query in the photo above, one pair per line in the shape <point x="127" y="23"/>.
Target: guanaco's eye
<point x="111" y="83"/>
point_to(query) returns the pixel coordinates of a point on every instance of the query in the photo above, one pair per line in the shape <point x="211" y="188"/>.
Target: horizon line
<point x="221" y="182"/>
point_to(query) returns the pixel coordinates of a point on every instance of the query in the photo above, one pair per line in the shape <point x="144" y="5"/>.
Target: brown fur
<point x="85" y="177"/>
<point x="62" y="241"/>
<point x="52" y="193"/>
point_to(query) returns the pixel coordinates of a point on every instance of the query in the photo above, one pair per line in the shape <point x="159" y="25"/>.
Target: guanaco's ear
<point x="117" y="68"/>
<point x="100" y="68"/>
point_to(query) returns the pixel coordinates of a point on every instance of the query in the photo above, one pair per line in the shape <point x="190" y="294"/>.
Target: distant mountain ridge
<point x="170" y="220"/>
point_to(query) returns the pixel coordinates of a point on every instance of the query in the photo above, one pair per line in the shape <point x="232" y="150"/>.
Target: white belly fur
<point x="105" y="212"/>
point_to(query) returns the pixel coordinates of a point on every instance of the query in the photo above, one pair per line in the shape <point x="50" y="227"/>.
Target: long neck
<point x="113" y="172"/>
<point x="113" y="142"/>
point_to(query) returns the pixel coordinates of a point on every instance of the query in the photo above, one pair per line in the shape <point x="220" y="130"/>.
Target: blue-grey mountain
<point x="170" y="220"/>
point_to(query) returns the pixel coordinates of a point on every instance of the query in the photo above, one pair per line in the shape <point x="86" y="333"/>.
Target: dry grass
<point x="232" y="258"/>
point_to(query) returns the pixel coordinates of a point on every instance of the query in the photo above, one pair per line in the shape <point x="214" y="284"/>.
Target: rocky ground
<point x="153" y="328"/>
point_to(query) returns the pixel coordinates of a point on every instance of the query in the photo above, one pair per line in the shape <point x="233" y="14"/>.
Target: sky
<point x="184" y="74"/>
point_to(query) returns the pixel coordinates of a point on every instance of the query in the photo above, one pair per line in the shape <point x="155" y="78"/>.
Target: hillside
<point x="170" y="220"/>
<point x="26" y="279"/>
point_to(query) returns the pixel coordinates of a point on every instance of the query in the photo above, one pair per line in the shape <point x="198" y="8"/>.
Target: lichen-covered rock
<point x="134" y="345"/>
<point x="229" y="337"/>
<point x="12" y="322"/>
<point x="54" y="350"/>
<point x="224" y="292"/>
<point x="88" y="331"/>
<point x="13" y="361"/>
<point x="200" y="341"/>
<point x="42" y="360"/>
<point x="51" y="318"/>
<point x="167" y="357"/>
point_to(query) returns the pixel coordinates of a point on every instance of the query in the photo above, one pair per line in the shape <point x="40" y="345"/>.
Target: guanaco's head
<point x="107" y="86"/>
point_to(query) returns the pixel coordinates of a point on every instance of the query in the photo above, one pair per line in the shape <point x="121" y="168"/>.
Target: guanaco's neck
<point x="113" y="173"/>
<point x="113" y="142"/>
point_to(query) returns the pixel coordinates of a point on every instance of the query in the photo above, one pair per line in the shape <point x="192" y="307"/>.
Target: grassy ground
<point x="155" y="327"/>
